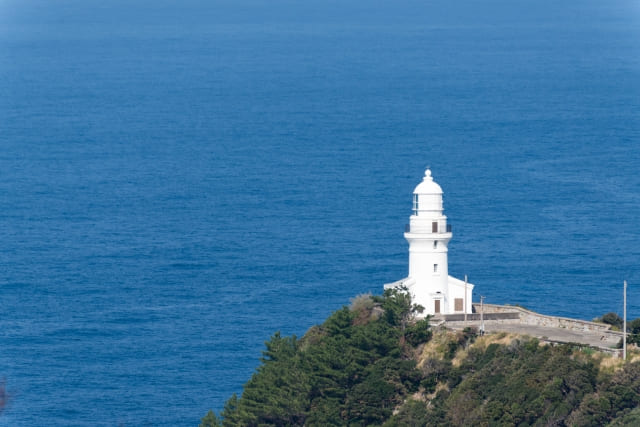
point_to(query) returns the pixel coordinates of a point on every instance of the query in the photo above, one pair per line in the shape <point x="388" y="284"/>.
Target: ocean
<point x="180" y="180"/>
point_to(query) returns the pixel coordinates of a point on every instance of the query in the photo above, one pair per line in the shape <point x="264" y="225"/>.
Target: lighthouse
<point x="428" y="235"/>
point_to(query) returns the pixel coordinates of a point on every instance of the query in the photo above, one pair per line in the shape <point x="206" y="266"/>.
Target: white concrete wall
<point x="457" y="290"/>
<point x="432" y="283"/>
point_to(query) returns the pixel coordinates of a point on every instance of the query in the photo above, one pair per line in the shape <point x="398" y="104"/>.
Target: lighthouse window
<point x="416" y="204"/>
<point x="435" y="268"/>
<point x="434" y="227"/>
<point x="435" y="244"/>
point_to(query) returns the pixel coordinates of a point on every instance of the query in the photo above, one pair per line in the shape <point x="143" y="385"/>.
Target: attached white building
<point x="428" y="235"/>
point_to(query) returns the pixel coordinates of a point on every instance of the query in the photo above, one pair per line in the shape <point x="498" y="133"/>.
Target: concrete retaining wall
<point x="528" y="317"/>
<point x="487" y="317"/>
<point x="549" y="329"/>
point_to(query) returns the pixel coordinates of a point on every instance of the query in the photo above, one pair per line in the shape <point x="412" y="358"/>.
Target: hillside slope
<point x="370" y="364"/>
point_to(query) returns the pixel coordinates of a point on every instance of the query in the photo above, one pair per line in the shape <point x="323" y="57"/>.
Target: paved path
<point x="607" y="339"/>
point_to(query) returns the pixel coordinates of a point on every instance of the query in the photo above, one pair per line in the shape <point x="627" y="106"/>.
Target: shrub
<point x="418" y="333"/>
<point x="611" y="319"/>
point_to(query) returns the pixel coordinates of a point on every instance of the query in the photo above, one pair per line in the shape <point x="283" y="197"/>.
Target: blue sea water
<point x="179" y="180"/>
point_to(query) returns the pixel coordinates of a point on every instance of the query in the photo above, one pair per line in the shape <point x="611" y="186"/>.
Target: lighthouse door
<point x="437" y="306"/>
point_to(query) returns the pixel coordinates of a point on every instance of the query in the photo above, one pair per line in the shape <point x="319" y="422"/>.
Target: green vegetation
<point x="611" y="319"/>
<point x="616" y="322"/>
<point x="374" y="364"/>
<point x="633" y="330"/>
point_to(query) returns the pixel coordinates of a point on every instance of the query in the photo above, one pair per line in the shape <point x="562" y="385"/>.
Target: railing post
<point x="624" y="323"/>
<point x="482" y="315"/>
<point x="465" y="300"/>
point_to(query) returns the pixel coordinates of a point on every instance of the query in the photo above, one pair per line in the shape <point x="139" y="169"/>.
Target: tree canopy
<point x="374" y="363"/>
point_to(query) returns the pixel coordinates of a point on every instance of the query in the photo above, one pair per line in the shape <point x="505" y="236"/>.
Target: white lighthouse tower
<point x="428" y="235"/>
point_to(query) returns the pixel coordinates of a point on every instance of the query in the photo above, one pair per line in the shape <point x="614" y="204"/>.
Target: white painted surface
<point x="428" y="238"/>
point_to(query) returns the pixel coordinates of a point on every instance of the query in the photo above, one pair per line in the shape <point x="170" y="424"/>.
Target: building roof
<point x="428" y="185"/>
